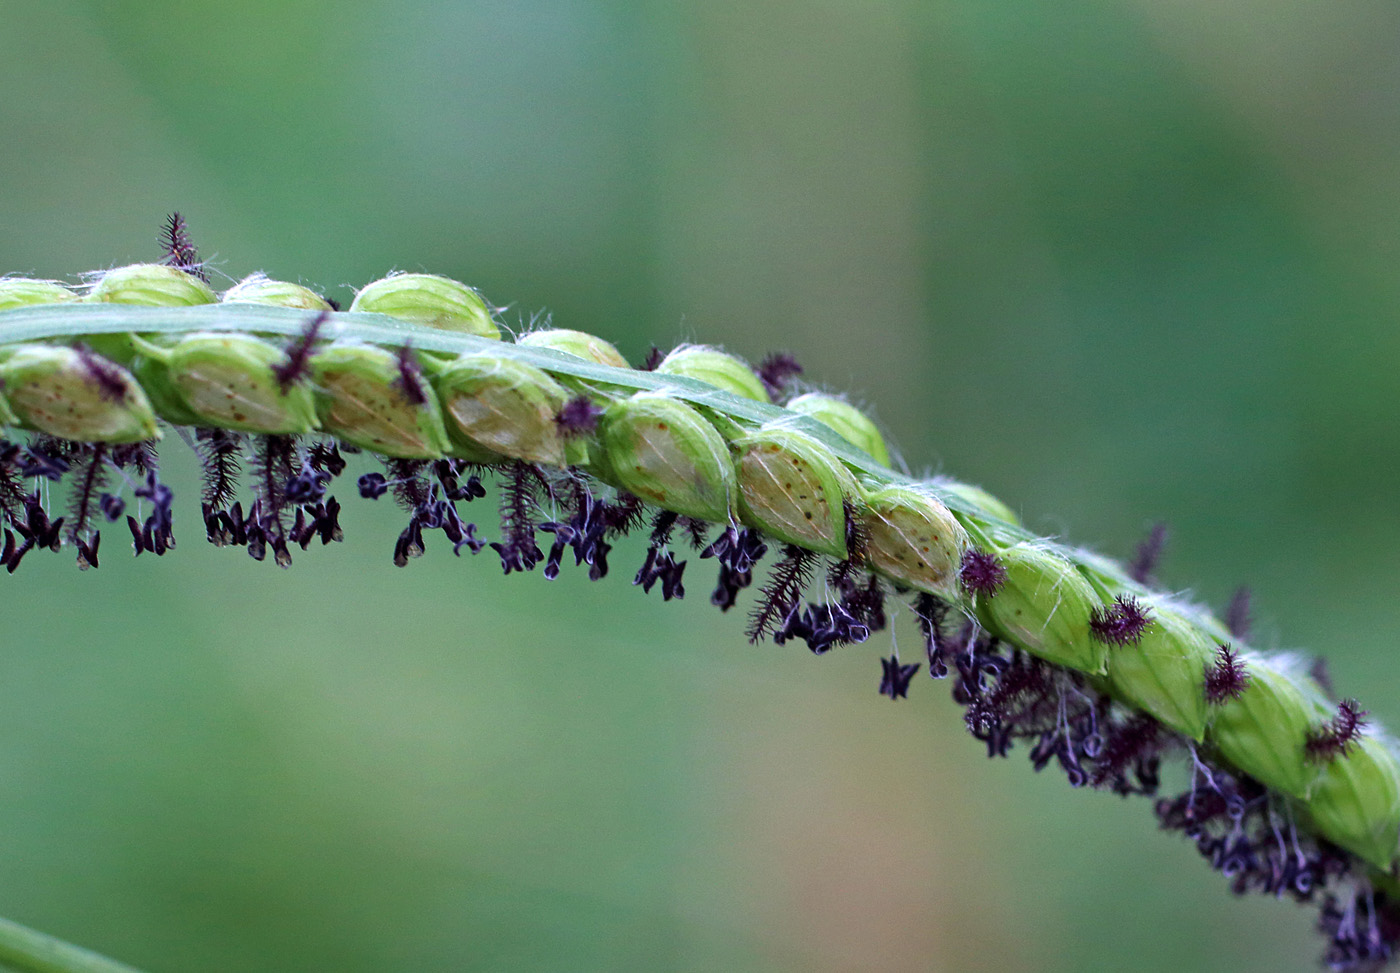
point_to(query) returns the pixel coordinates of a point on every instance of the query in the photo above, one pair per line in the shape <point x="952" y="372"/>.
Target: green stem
<point x="28" y="951"/>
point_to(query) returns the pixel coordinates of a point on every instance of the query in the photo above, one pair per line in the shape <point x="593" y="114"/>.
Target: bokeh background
<point x="1117" y="260"/>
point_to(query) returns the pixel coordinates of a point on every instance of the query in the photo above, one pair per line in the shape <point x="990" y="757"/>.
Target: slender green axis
<point x="1076" y="655"/>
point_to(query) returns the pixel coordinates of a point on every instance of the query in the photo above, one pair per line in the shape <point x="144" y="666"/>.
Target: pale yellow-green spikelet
<point x="74" y="394"/>
<point x="665" y="452"/>
<point x="362" y="399"/>
<point x="717" y="368"/>
<point x="151" y="285"/>
<point x="580" y="344"/>
<point x="229" y="380"/>
<point x="793" y="488"/>
<point x="259" y="289"/>
<point x="26" y="292"/>
<point x="427" y="299"/>
<point x="508" y="407"/>
<point x="846" y="420"/>
<point x="913" y="539"/>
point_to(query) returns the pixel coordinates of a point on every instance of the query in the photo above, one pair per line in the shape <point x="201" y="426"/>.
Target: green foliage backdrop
<point x="1115" y="260"/>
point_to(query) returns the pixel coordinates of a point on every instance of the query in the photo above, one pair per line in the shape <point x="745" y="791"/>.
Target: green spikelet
<point x="1264" y="731"/>
<point x="438" y="302"/>
<point x="913" y="539"/>
<point x="714" y="367"/>
<point x="506" y="407"/>
<point x="1356" y="800"/>
<point x="361" y="400"/>
<point x="73" y="395"/>
<point x="795" y="489"/>
<point x="979" y="499"/>
<point x="580" y="344"/>
<point x="151" y="285"/>
<point x="24" y="292"/>
<point x="1045" y="607"/>
<point x="228" y="380"/>
<point x="259" y="289"/>
<point x="846" y="420"/>
<point x="1163" y="672"/>
<point x="665" y="452"/>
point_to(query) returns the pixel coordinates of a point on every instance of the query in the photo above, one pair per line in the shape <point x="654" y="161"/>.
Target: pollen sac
<point x="580" y="344"/>
<point x="667" y="453"/>
<point x="151" y="285"/>
<point x="793" y="488"/>
<point x="75" y="394"/>
<point x="1264" y="731"/>
<point x="714" y="367"/>
<point x="846" y="420"/>
<point x="507" y="407"/>
<point x="362" y="400"/>
<point x="438" y="302"/>
<point x="1356" y="801"/>
<point x="912" y="538"/>
<point x="228" y="380"/>
<point x="24" y="292"/>
<point x="1044" y="607"/>
<point x="259" y="289"/>
<point x="1163" y="671"/>
<point x="980" y="500"/>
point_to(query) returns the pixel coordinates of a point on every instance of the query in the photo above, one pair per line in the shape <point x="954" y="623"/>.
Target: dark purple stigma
<point x="1121" y="623"/>
<point x="981" y="573"/>
<point x="1226" y="678"/>
<point x="578" y="417"/>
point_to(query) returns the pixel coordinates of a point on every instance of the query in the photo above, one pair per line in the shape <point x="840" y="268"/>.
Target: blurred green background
<point x="1117" y="261"/>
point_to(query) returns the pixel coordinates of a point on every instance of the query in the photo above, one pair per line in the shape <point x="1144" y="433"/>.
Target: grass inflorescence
<point x="1076" y="658"/>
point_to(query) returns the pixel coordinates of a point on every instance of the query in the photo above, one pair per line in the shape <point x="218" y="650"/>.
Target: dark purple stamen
<point x="373" y="486"/>
<point x="737" y="549"/>
<point x="105" y="375"/>
<point x="1237" y="618"/>
<point x="895" y="678"/>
